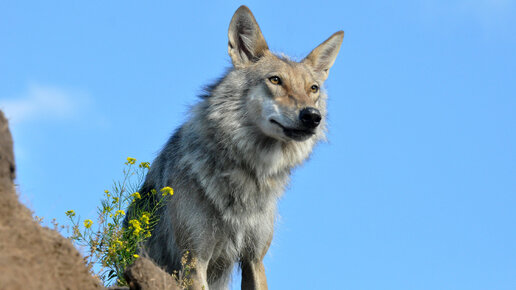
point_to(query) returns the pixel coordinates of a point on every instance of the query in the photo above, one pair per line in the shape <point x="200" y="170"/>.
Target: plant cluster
<point x="111" y="243"/>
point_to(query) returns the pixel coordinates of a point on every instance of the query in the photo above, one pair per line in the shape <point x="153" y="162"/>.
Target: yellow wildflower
<point x="167" y="190"/>
<point x="136" y="256"/>
<point x="131" y="160"/>
<point x="70" y="213"/>
<point x="88" y="223"/>
<point x="136" y="226"/>
<point x="119" y="212"/>
<point x="136" y="195"/>
<point x="144" y="165"/>
<point x="115" y="199"/>
<point x="145" y="218"/>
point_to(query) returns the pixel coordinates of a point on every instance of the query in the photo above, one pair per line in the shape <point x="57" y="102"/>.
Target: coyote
<point x="231" y="161"/>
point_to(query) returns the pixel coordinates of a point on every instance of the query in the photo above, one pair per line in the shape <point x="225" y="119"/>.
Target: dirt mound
<point x="32" y="257"/>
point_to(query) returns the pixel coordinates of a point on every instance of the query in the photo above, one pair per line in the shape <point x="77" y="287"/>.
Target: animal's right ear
<point x="246" y="43"/>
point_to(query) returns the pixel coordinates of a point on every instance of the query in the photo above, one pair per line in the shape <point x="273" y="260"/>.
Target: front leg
<point x="198" y="276"/>
<point x="253" y="271"/>
<point x="253" y="275"/>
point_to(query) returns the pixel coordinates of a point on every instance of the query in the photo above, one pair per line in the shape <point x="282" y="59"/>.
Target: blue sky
<point x="416" y="187"/>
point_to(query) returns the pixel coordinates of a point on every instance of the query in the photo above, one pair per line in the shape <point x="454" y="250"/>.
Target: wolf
<point x="230" y="161"/>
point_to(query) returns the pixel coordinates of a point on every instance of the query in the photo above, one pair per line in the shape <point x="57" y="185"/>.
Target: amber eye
<point x="275" y="80"/>
<point x="314" y="89"/>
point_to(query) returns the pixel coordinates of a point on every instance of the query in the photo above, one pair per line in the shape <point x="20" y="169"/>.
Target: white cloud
<point x="42" y="102"/>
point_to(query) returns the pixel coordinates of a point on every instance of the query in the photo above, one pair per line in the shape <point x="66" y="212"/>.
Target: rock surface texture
<point x="31" y="256"/>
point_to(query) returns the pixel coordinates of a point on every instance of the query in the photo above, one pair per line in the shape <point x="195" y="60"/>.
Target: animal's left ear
<point x="323" y="56"/>
<point x="246" y="43"/>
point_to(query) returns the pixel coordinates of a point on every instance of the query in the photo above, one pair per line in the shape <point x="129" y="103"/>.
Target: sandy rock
<point x="145" y="275"/>
<point x="32" y="257"/>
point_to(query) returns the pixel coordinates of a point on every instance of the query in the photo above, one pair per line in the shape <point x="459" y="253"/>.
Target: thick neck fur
<point x="255" y="167"/>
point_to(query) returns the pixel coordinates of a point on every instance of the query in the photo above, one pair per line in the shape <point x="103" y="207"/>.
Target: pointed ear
<point x="323" y="56"/>
<point x="246" y="42"/>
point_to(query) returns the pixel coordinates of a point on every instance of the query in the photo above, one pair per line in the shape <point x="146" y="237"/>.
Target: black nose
<point x="310" y="117"/>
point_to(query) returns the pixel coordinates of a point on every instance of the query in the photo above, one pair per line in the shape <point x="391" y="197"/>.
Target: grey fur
<point x="228" y="168"/>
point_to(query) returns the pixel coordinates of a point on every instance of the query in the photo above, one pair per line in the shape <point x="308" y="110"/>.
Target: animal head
<point x="284" y="97"/>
